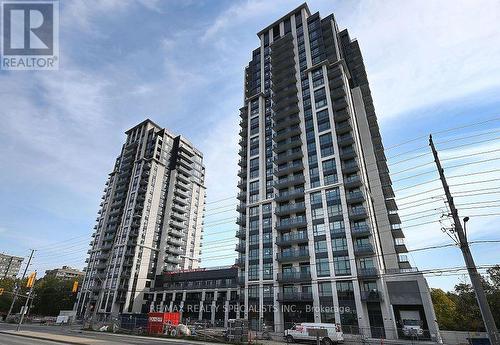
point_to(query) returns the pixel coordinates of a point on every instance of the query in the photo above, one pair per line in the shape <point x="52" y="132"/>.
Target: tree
<point x="8" y="285"/>
<point x="52" y="295"/>
<point x="458" y="309"/>
<point x="445" y="309"/>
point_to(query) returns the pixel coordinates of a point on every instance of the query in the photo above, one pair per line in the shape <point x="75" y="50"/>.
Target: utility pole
<point x="31" y="284"/>
<point x="474" y="276"/>
<point x="16" y="286"/>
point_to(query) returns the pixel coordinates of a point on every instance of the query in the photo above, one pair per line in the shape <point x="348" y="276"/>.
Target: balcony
<point x="294" y="277"/>
<point x="293" y="255"/>
<point x="182" y="193"/>
<point x="356" y="213"/>
<point x="286" y="144"/>
<point x="241" y="247"/>
<point x="355" y="197"/>
<point x="241" y="207"/>
<point x="289" y="181"/>
<point x="363" y="249"/>
<point x="242" y="173"/>
<point x="178" y="208"/>
<point x="370" y="272"/>
<point x="293" y="222"/>
<point x="240" y="262"/>
<point x="243" y="163"/>
<point x="288" y="195"/>
<point x="282" y="111"/>
<point x="182" y="202"/>
<point x="172" y="259"/>
<point x="290" y="208"/>
<point x="341" y="115"/>
<point x="371" y="296"/>
<point x="288" y="122"/>
<point x="350" y="167"/>
<point x="289" y="168"/>
<point x="352" y="181"/>
<point x="241" y="221"/>
<point x="343" y="127"/>
<point x="295" y="297"/>
<point x="292" y="238"/>
<point x="242" y="196"/>
<point x="345" y="140"/>
<point x="360" y="231"/>
<point x="175" y="233"/>
<point x="178" y="217"/>
<point x="173" y="250"/>
<point x="286" y="133"/>
<point x="241" y="234"/>
<point x="178" y="225"/>
<point x="289" y="155"/>
<point x="174" y="241"/>
<point x="347" y="153"/>
<point x="401" y="248"/>
<point x="340" y="104"/>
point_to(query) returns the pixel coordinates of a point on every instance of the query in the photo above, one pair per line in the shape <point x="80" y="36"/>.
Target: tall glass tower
<point x="320" y="239"/>
<point x="150" y="221"/>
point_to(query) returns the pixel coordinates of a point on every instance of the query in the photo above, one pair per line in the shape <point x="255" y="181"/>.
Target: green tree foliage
<point x="445" y="308"/>
<point x="458" y="310"/>
<point x="52" y="295"/>
<point x="6" y="298"/>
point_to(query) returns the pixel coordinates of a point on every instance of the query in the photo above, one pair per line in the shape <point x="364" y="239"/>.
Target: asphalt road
<point x="15" y="340"/>
<point x="109" y="338"/>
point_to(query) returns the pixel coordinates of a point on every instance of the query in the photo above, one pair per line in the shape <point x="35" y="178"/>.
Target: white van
<point x="300" y="332"/>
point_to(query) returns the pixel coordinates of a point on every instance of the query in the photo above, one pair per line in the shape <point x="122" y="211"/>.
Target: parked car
<point x="412" y="328"/>
<point x="301" y="332"/>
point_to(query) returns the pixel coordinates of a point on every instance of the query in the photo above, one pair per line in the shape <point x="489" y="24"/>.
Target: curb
<point x="44" y="338"/>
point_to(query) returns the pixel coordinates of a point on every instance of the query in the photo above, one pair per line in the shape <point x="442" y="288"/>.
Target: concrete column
<point x="202" y="302"/>
<point x="316" y="304"/>
<point x="363" y="321"/>
<point x="226" y="312"/>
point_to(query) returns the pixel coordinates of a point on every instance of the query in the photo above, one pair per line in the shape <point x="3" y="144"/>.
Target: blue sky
<point x="432" y="65"/>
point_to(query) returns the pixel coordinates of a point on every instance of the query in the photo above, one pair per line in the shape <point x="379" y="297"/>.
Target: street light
<point x="466" y="219"/>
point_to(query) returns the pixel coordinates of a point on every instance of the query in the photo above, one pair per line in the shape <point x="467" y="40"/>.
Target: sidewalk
<point x="67" y="339"/>
<point x="57" y="338"/>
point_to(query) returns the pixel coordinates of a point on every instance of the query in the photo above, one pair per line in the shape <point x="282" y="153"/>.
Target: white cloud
<point x="419" y="53"/>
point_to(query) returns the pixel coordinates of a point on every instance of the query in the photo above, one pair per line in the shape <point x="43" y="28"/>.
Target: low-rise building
<point x="9" y="265"/>
<point x="204" y="294"/>
<point x="65" y="272"/>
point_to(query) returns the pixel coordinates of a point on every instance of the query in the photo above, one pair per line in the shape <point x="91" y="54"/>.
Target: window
<point x="320" y="247"/>
<point x="254" y="163"/>
<point x="341" y="265"/>
<point x="267" y="271"/>
<point x="253" y="272"/>
<point x="253" y="291"/>
<point x="267" y="237"/>
<point x="345" y="290"/>
<point x="267" y="253"/>
<point x="334" y="210"/>
<point x="322" y="267"/>
<point x="333" y="194"/>
<point x="318" y="229"/>
<point x="326" y="144"/>
<point x="267" y="291"/>
<point x="316" y="198"/>
<point x="254" y="211"/>
<point x="253" y="239"/>
<point x="254" y="254"/>
<point x="339" y="244"/>
<point x="325" y="289"/>
<point x="317" y="213"/>
<point x="329" y="166"/>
